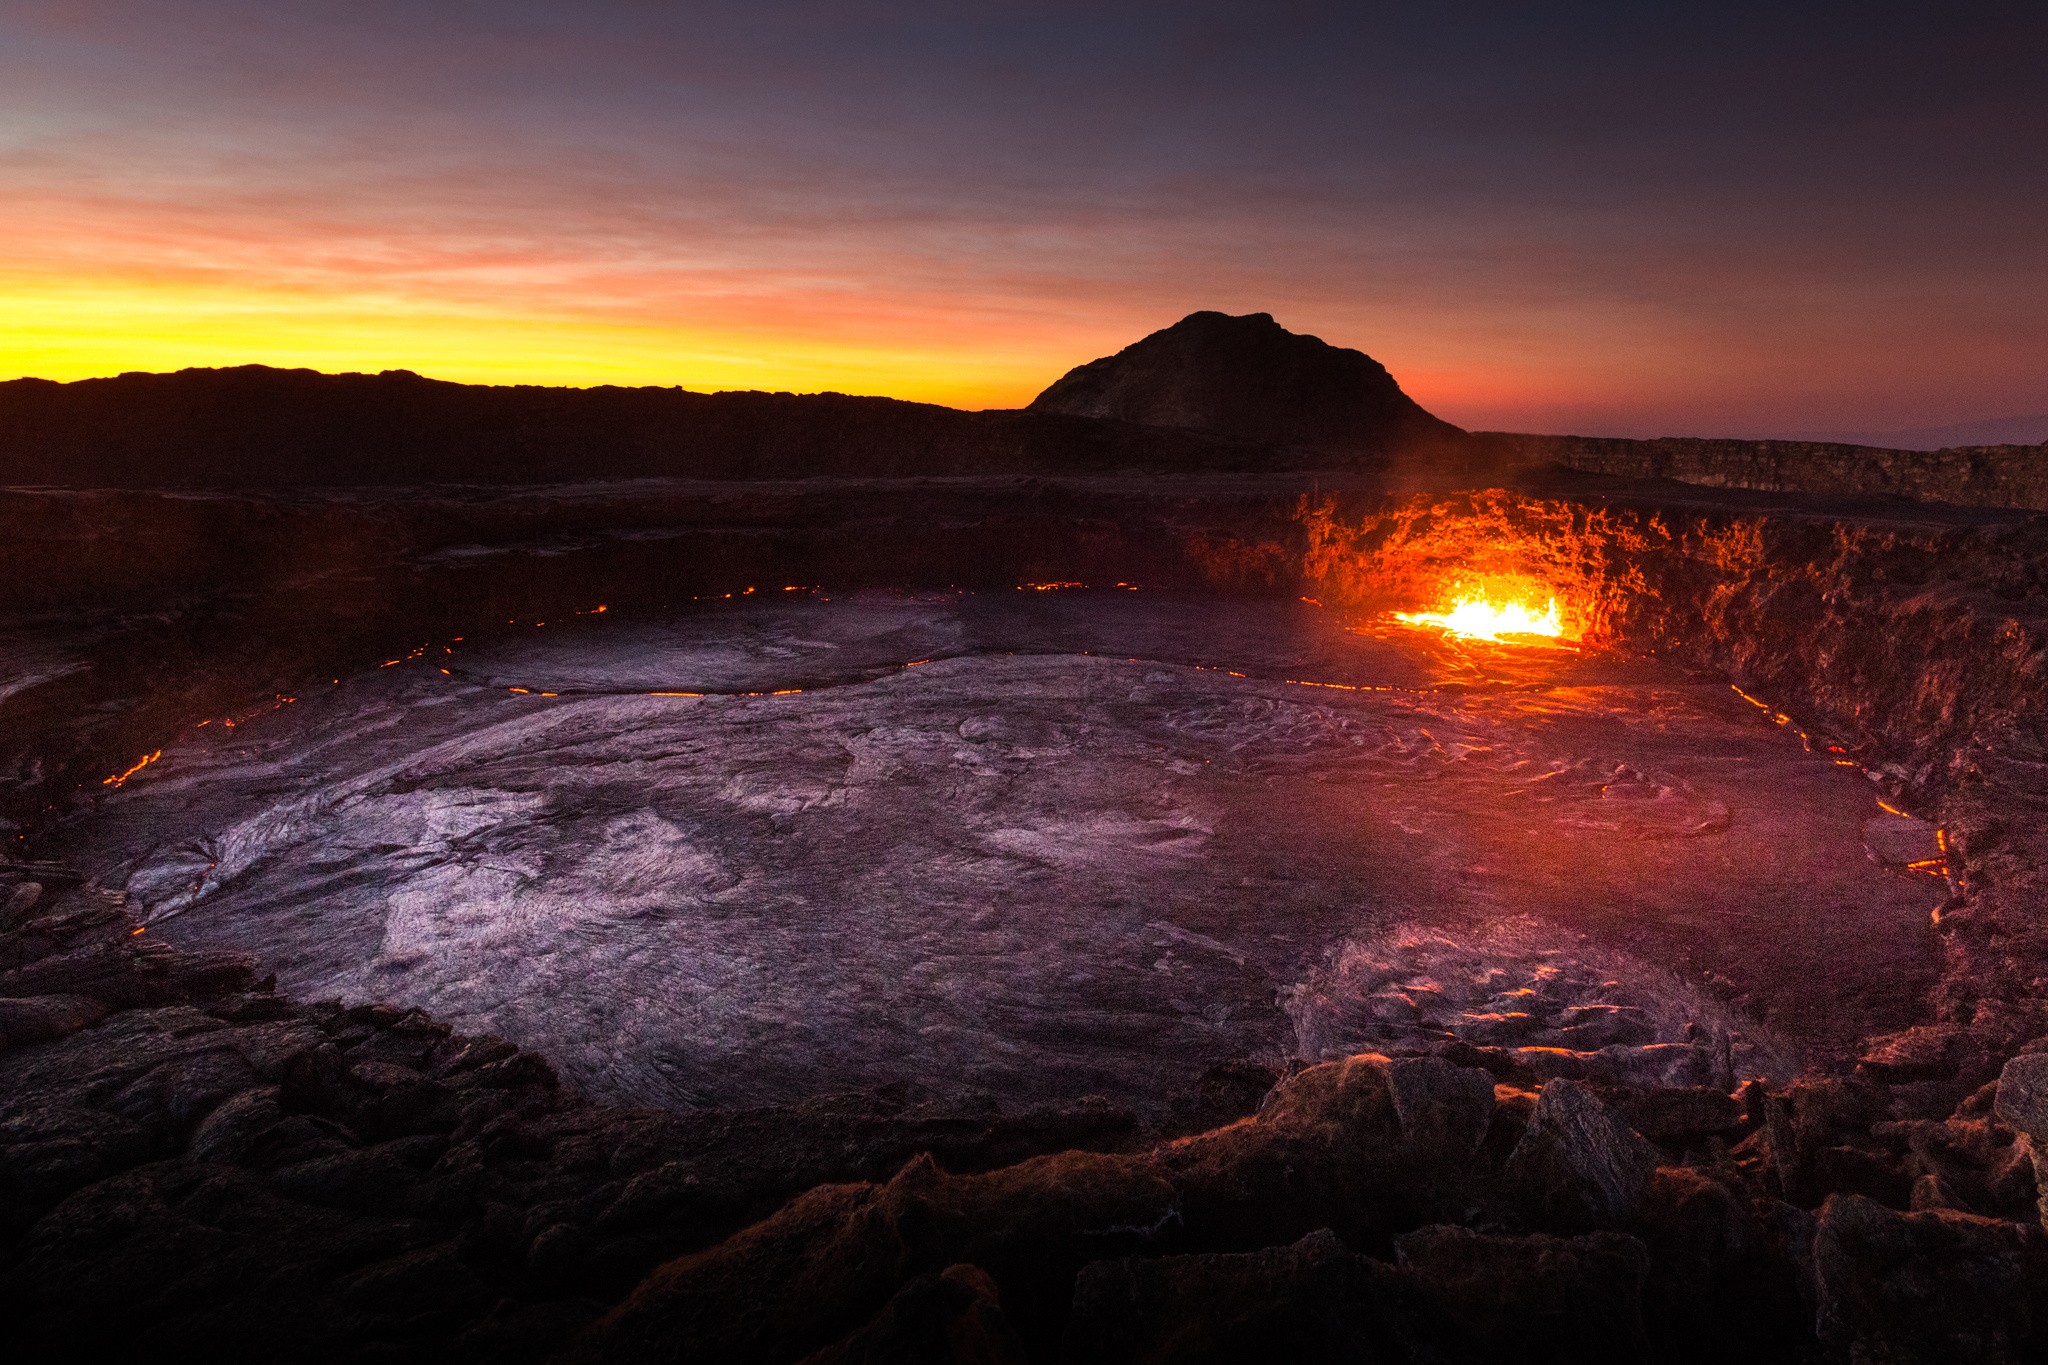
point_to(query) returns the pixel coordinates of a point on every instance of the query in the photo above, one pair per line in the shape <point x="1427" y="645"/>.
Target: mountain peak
<point x="1247" y="376"/>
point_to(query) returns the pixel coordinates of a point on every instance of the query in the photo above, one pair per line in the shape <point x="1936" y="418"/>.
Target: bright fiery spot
<point x="1478" y="619"/>
<point x="121" y="777"/>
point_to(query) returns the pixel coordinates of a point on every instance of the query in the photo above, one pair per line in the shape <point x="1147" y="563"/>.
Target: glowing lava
<point x="1478" y="619"/>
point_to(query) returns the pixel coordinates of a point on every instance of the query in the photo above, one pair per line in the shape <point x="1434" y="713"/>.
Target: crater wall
<point x="1972" y="476"/>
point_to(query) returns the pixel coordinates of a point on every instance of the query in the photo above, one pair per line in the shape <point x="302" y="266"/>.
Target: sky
<point x="1611" y="218"/>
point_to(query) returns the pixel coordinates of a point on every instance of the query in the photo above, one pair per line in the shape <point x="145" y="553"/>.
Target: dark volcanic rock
<point x="2023" y="1095"/>
<point x="1249" y="377"/>
<point x="1314" y="1300"/>
<point x="952" y="1318"/>
<point x="40" y="1018"/>
<point x="1539" y="1297"/>
<point x="1578" y="1164"/>
<point x="1454" y="1295"/>
<point x="1933" y="1286"/>
<point x="1709" y="1249"/>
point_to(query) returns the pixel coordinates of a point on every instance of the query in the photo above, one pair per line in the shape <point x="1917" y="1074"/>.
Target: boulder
<point x="1444" y="1111"/>
<point x="234" y="1133"/>
<point x="1325" y="1151"/>
<point x="41" y="1018"/>
<point x="369" y="1180"/>
<point x="2022" y="1102"/>
<point x="1720" y="1285"/>
<point x="2022" y="1105"/>
<point x="1920" y="1053"/>
<point x="46" y="1152"/>
<point x="1578" y="1164"/>
<point x="1679" y="1116"/>
<point x="20" y="900"/>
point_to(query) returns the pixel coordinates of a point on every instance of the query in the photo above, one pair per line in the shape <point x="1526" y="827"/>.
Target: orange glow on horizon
<point x="83" y="328"/>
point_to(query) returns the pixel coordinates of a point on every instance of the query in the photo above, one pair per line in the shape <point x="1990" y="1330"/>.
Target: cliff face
<point x="1249" y="377"/>
<point x="1971" y="476"/>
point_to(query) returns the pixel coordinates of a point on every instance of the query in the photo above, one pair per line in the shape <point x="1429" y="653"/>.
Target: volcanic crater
<point x="608" y="920"/>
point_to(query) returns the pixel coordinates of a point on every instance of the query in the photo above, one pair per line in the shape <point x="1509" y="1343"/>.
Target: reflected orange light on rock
<point x="1490" y="565"/>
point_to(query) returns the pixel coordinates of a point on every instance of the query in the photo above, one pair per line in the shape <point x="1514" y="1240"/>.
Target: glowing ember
<point x="121" y="778"/>
<point x="1479" y="619"/>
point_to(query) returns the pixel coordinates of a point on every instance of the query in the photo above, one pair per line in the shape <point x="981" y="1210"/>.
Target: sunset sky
<point x="1624" y="218"/>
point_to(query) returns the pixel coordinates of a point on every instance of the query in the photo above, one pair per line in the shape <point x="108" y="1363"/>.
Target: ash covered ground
<point x="1041" y="844"/>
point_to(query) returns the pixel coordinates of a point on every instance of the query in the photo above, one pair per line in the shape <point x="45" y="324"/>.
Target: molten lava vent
<point x="1480" y="615"/>
<point x="1484" y="566"/>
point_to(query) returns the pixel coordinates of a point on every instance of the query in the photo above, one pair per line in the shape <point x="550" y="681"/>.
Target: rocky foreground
<point x="193" y="1163"/>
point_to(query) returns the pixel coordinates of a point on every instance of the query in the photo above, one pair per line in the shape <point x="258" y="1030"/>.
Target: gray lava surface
<point x="1039" y="844"/>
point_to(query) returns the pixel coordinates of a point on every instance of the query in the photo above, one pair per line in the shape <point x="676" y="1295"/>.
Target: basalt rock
<point x="1708" y="1248"/>
<point x="2023" y="1095"/>
<point x="238" y="1174"/>
<point x="1579" y="1165"/>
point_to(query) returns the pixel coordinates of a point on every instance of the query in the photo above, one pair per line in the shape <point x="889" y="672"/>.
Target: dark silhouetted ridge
<point x="257" y="427"/>
<point x="1250" y="378"/>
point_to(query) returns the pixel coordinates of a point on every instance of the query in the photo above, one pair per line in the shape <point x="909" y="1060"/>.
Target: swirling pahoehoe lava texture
<point x="1086" y="843"/>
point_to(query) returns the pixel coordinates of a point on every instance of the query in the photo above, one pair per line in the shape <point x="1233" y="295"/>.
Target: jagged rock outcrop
<point x="1250" y="378"/>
